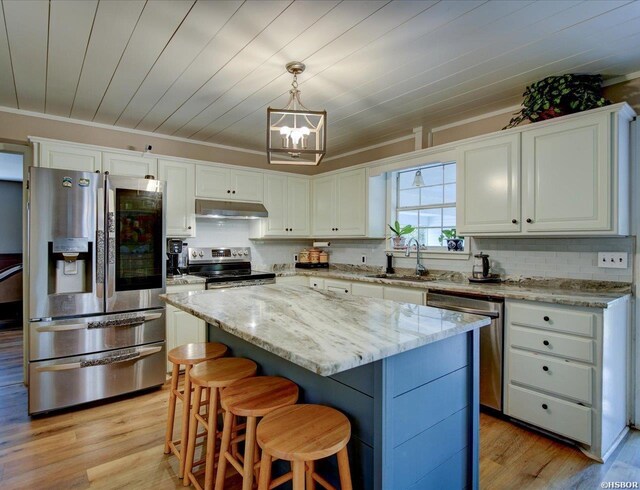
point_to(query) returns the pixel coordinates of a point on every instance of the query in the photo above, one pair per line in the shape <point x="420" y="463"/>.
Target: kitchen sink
<point x="397" y="277"/>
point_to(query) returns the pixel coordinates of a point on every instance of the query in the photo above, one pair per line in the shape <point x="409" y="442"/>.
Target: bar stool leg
<point x="186" y="400"/>
<point x="249" y="453"/>
<point x="172" y="408"/>
<point x="212" y="435"/>
<point x="190" y="444"/>
<point x="298" y="475"/>
<point x="311" y="483"/>
<point x="224" y="447"/>
<point x="343" y="468"/>
<point x="265" y="471"/>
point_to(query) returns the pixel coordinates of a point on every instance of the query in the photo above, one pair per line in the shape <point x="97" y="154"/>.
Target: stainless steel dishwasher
<point x="491" y="338"/>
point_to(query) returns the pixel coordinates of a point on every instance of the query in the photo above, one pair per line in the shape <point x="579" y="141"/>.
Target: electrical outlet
<point x="295" y="257"/>
<point x="613" y="260"/>
<point x="363" y="259"/>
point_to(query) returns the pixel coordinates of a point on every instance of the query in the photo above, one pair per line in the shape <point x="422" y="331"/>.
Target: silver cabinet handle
<point x="121" y="322"/>
<point x="139" y="354"/>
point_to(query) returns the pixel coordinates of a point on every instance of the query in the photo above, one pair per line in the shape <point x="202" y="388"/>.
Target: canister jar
<point x="324" y="257"/>
<point x="314" y="255"/>
<point x="303" y="256"/>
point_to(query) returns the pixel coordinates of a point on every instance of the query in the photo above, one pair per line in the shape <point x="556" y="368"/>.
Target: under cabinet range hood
<point x="206" y="208"/>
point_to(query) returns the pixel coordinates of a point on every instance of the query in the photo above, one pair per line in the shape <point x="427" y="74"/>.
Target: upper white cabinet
<point x="489" y="200"/>
<point x="348" y="204"/>
<point x="69" y="157"/>
<point x="563" y="177"/>
<point x="180" y="179"/>
<point x="224" y="183"/>
<point x="129" y="165"/>
<point x="287" y="201"/>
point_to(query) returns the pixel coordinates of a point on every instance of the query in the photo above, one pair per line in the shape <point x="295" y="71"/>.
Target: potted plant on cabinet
<point x="454" y="242"/>
<point x="557" y="96"/>
<point x="399" y="232"/>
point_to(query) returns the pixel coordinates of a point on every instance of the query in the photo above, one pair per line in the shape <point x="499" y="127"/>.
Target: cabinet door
<point x="298" y="206"/>
<point x="404" y="295"/>
<point x="275" y="200"/>
<point x="324" y="206"/>
<point x="213" y="182"/>
<point x="367" y="290"/>
<point x="68" y="157"/>
<point x="247" y="185"/>
<point x="567" y="176"/>
<point x="351" y="203"/>
<point x="180" y="179"/>
<point x="488" y="186"/>
<point x="129" y="165"/>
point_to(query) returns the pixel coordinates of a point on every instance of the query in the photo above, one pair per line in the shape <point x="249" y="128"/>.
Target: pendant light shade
<point x="418" y="181"/>
<point x="295" y="134"/>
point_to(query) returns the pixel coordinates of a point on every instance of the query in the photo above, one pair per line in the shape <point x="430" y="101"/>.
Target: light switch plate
<point x="613" y="260"/>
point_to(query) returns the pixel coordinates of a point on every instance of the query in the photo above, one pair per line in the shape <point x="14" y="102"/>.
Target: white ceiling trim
<point x="52" y="117"/>
<point x="621" y="78"/>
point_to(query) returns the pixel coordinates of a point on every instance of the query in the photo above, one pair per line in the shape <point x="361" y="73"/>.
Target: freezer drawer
<point x="72" y="337"/>
<point x="73" y="380"/>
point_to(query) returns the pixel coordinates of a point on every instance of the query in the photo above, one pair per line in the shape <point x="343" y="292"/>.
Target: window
<point x="430" y="208"/>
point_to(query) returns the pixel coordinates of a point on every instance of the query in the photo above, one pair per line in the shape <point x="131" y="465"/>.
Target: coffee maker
<point x="174" y="256"/>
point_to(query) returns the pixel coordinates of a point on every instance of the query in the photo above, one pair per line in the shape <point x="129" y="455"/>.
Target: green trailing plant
<point x="449" y="234"/>
<point x="558" y="96"/>
<point x="401" y="230"/>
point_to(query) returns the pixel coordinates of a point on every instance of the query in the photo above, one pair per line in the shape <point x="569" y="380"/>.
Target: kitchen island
<point x="405" y="375"/>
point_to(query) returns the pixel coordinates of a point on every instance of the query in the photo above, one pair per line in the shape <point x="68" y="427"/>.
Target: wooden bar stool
<point x="211" y="377"/>
<point x="304" y="434"/>
<point x="186" y="355"/>
<point x="250" y="398"/>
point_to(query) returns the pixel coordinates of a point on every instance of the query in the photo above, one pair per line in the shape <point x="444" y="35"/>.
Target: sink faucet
<point x="420" y="269"/>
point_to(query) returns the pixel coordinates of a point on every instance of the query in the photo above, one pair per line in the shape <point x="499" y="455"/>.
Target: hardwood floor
<point x="120" y="445"/>
<point x="10" y="355"/>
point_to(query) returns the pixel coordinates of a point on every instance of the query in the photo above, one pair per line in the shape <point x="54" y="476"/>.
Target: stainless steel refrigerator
<point x="96" y="266"/>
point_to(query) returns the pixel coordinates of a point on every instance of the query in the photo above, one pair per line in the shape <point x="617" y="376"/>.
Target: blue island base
<point x="414" y="416"/>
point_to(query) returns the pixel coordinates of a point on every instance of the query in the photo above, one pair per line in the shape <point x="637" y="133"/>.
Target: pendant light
<point x="295" y="134"/>
<point x="418" y="181"/>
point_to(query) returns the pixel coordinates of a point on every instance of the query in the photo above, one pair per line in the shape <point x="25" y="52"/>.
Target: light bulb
<point x="295" y="135"/>
<point x="284" y="134"/>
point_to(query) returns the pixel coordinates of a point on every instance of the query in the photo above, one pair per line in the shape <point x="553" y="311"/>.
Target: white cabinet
<point x="180" y="179"/>
<point x="287" y="201"/>
<point x="69" y="157"/>
<point x="367" y="290"/>
<point x="229" y="184"/>
<point x="129" y="165"/>
<point x="404" y="295"/>
<point x="566" y="371"/>
<point x="348" y="203"/>
<point x="183" y="328"/>
<point x="489" y="200"/>
<point x="564" y="177"/>
<point x="338" y="286"/>
<point x="293" y="280"/>
<point x="316" y="283"/>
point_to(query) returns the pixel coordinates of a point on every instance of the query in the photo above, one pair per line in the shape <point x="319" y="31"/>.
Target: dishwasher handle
<point x="462" y="309"/>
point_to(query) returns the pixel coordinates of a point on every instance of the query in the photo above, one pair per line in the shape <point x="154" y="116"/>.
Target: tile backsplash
<point x="574" y="258"/>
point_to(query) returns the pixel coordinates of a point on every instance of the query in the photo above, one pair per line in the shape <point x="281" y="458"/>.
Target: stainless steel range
<point x="226" y="267"/>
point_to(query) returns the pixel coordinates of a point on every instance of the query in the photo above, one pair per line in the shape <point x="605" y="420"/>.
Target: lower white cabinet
<point x="316" y="283"/>
<point x="183" y="328"/>
<point x="367" y="290"/>
<point x="337" y="286"/>
<point x="566" y="371"/>
<point x="293" y="280"/>
<point x="404" y="295"/>
<point x="363" y="289"/>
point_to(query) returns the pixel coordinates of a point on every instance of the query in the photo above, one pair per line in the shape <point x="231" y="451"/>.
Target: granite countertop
<point x="561" y="291"/>
<point x="319" y="330"/>
<point x="185" y="280"/>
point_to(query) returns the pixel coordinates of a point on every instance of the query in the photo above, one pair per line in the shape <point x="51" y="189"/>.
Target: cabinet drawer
<point x="316" y="283"/>
<point x="562" y="378"/>
<point x="367" y="290"/>
<point x="562" y="417"/>
<point x="552" y="317"/>
<point x="553" y="344"/>
<point x="339" y="287"/>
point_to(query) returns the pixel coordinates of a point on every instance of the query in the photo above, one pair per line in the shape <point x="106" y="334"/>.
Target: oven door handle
<point x="133" y="356"/>
<point x="462" y="309"/>
<point x="135" y="321"/>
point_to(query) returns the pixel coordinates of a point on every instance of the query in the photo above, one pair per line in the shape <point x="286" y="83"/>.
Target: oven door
<point x="136" y="255"/>
<point x="72" y="337"/>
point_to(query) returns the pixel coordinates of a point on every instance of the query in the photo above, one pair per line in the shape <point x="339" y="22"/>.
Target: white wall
<point x="10" y="217"/>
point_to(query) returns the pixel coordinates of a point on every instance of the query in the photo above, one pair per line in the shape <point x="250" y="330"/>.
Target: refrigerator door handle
<point x="100" y="257"/>
<point x="130" y="356"/>
<point x="124" y="322"/>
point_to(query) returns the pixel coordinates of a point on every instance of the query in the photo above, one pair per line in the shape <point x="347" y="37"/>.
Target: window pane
<point x="432" y="237"/>
<point x="410" y="197"/>
<point x="408" y="218"/>
<point x="431" y="217"/>
<point x="450" y="193"/>
<point x="450" y="173"/>
<point x="406" y="180"/>
<point x="449" y="217"/>
<point x="431" y="195"/>
<point x="432" y="175"/>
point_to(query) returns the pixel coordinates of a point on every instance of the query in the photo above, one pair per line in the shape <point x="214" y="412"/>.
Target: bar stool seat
<point x="211" y="377"/>
<point x="186" y="355"/>
<point x="303" y="434"/>
<point x="250" y="398"/>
